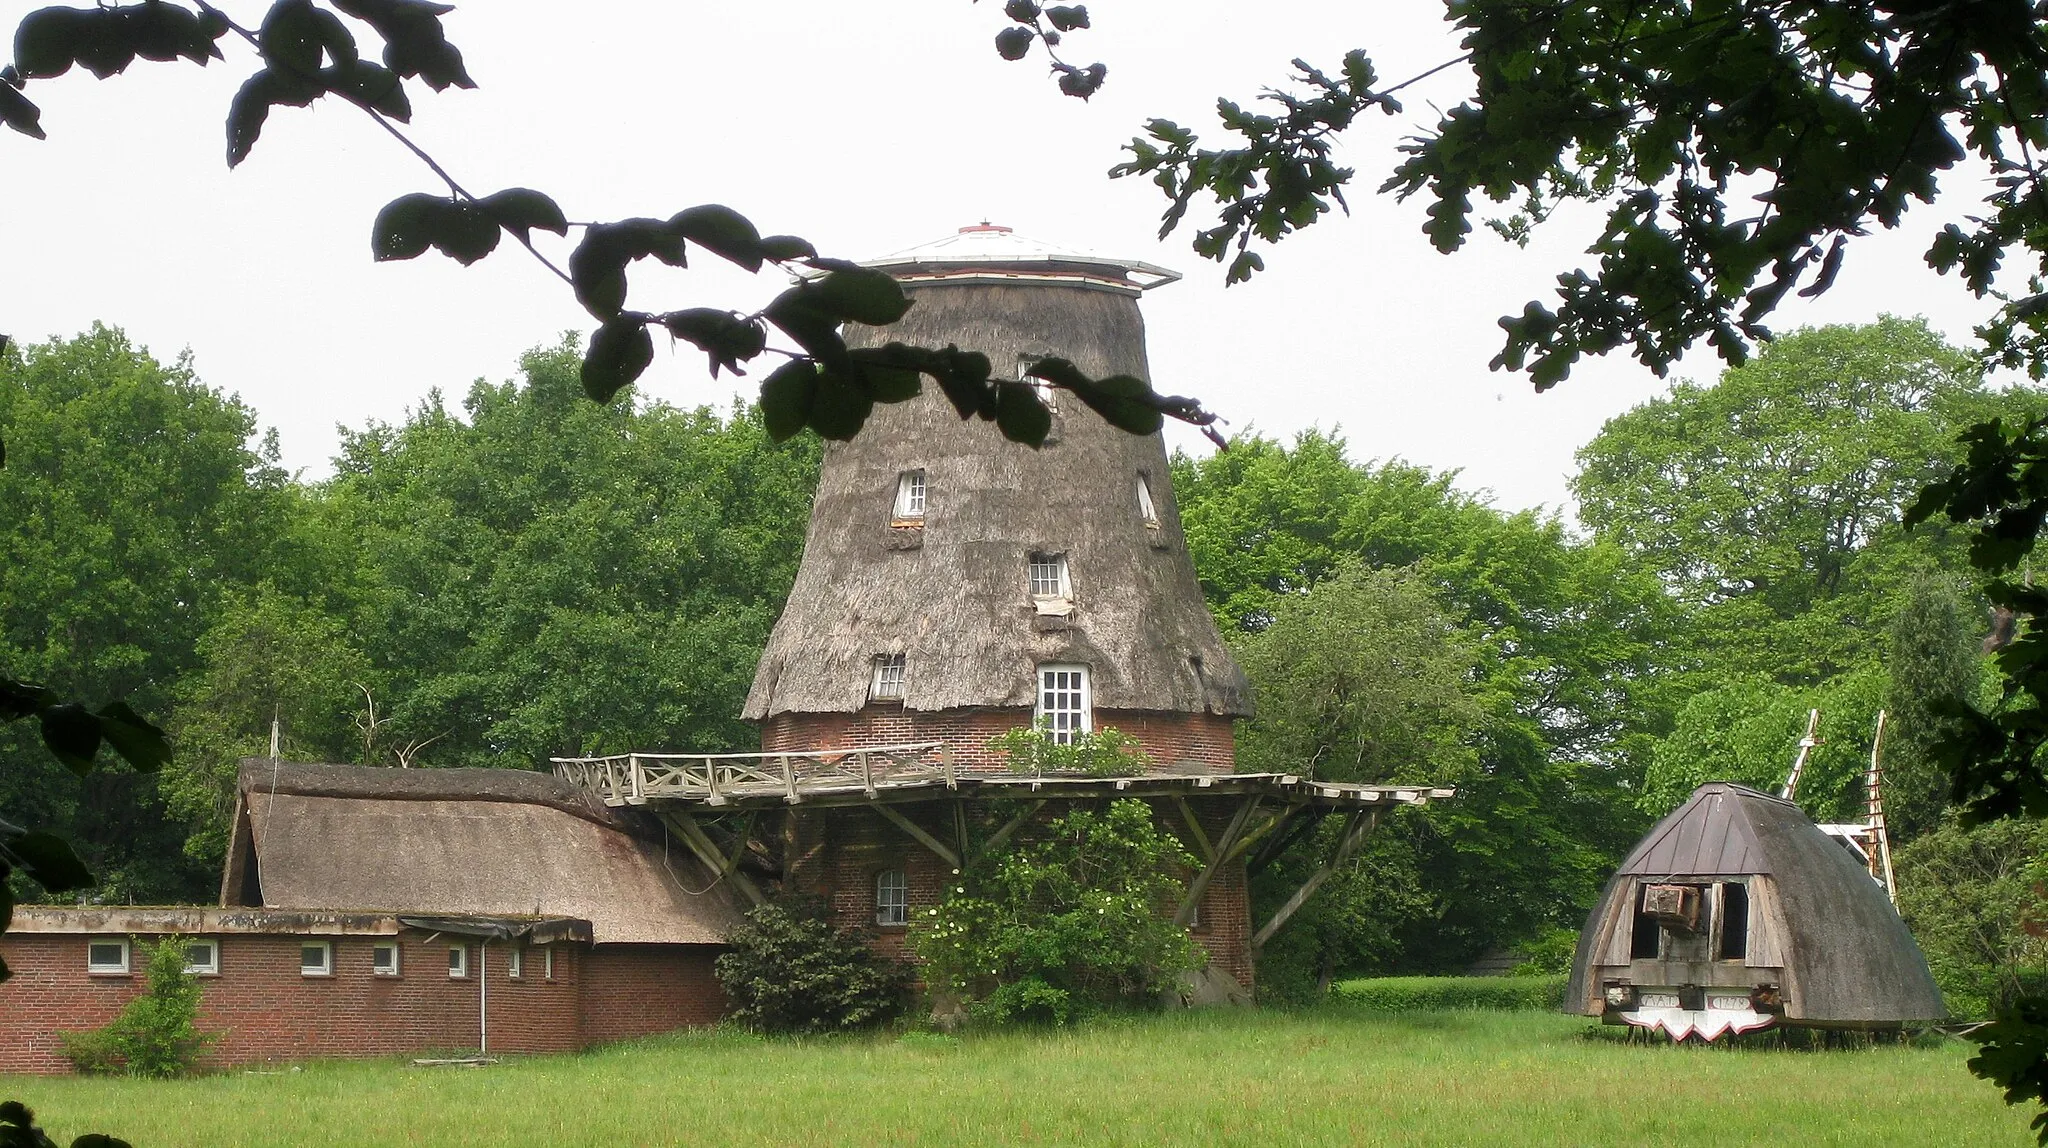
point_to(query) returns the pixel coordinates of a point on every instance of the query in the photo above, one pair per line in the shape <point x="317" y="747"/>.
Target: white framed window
<point x="1064" y="702"/>
<point x="384" y="958"/>
<point x="458" y="962"/>
<point x="547" y="962"/>
<point x="108" y="957"/>
<point x="1046" y="391"/>
<point x="202" y="957"/>
<point x="892" y="897"/>
<point x="888" y="681"/>
<point x="1146" y="510"/>
<point x="316" y="958"/>
<point x="515" y="963"/>
<point x="910" y="495"/>
<point x="1048" y="576"/>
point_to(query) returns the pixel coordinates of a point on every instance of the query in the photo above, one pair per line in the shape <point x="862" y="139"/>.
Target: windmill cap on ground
<point x="991" y="253"/>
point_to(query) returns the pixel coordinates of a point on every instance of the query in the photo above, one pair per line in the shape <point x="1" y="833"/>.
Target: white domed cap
<point x="990" y="253"/>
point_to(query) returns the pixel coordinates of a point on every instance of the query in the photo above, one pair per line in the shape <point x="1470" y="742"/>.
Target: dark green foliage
<point x="1437" y="994"/>
<point x="1936" y="672"/>
<point x="18" y="1130"/>
<point x="1065" y="924"/>
<point x="788" y="971"/>
<point x="1977" y="901"/>
<point x="155" y="1035"/>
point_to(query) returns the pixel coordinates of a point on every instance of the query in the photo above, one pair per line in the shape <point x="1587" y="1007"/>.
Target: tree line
<point x="526" y="574"/>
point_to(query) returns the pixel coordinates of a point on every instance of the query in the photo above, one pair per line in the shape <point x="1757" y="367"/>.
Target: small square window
<point x="1146" y="510"/>
<point x="888" y="683"/>
<point x="316" y="958"/>
<point x="515" y="963"/>
<point x="910" y="495"/>
<point x="202" y="958"/>
<point x="384" y="958"/>
<point x="1063" y="702"/>
<point x="892" y="898"/>
<point x="1049" y="576"/>
<point x="106" y="958"/>
<point x="458" y="961"/>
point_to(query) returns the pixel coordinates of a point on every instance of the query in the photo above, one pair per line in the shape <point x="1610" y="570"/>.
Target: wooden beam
<point x="1011" y="826"/>
<point x="1202" y="844"/>
<point x="1355" y="832"/>
<point x="915" y="830"/>
<point x="1254" y="836"/>
<point x="1219" y="857"/>
<point x="1279" y="843"/>
<point x="960" y="829"/>
<point x="692" y="834"/>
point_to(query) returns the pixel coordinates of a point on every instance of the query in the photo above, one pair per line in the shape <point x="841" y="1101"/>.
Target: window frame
<point x="1148" y="507"/>
<point x="1047" y="720"/>
<point x="1061" y="581"/>
<point x="515" y="962"/>
<point x="397" y="967"/>
<point x="547" y="962"/>
<point x="212" y="966"/>
<point x="892" y="912"/>
<point x="1046" y="391"/>
<point x="913" y="495"/>
<point x="458" y="962"/>
<point x="326" y="966"/>
<point x="106" y="970"/>
<point x="879" y="683"/>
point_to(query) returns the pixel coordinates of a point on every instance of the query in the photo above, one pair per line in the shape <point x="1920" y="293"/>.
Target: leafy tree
<point x="1748" y="731"/>
<point x="1064" y="925"/>
<point x="156" y="1034"/>
<point x="786" y="970"/>
<point x="1975" y="900"/>
<point x="1936" y="668"/>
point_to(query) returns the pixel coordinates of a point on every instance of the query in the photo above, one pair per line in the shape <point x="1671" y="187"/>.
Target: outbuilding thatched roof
<point x="952" y="595"/>
<point x="461" y="842"/>
<point x="1845" y="954"/>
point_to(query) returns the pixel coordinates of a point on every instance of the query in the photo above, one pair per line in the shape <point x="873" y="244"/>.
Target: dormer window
<point x="910" y="498"/>
<point x="1146" y="510"/>
<point x="1045" y="390"/>
<point x="1049" y="578"/>
<point x="888" y="680"/>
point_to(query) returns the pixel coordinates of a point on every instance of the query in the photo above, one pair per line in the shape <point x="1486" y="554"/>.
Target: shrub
<point x="790" y="971"/>
<point x="156" y="1034"/>
<point x="1103" y="753"/>
<point x="1058" y="928"/>
<point x="1435" y="994"/>
<point x="1548" y="954"/>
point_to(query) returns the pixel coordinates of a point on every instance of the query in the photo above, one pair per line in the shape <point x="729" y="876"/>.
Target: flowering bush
<point x="1108" y="753"/>
<point x="1073" y="923"/>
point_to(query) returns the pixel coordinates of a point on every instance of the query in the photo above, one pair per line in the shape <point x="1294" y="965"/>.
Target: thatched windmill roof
<point x="1815" y="915"/>
<point x="459" y="842"/>
<point x="951" y="596"/>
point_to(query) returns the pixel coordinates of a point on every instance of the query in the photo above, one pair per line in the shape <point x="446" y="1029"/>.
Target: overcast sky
<point x="865" y="128"/>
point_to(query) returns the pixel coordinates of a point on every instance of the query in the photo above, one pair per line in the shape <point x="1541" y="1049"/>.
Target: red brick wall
<point x="266" y="1010"/>
<point x="1183" y="742"/>
<point x="639" y="990"/>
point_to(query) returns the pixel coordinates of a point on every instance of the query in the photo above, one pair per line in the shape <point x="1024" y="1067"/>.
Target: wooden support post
<point x="960" y="832"/>
<point x="1254" y="836"/>
<point x="789" y="781"/>
<point x="1355" y="832"/>
<point x="692" y="834"/>
<point x="996" y="839"/>
<point x="1202" y="845"/>
<point x="1278" y="843"/>
<point x="915" y="830"/>
<point x="867" y="775"/>
<point x="633" y="779"/>
<point x="946" y="765"/>
<point x="1218" y="858"/>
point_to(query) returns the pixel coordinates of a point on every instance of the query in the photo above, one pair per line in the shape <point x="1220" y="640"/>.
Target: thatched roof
<point x="1816" y="913"/>
<point x="462" y="842"/>
<point x="952" y="595"/>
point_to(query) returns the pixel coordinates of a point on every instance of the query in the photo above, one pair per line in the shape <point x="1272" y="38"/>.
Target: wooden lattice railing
<point x="637" y="778"/>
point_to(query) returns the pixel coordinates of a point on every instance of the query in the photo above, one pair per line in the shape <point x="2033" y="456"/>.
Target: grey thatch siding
<point x="952" y="596"/>
<point x="1846" y="956"/>
<point x="464" y="842"/>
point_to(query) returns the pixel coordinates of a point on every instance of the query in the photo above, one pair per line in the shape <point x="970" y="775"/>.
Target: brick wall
<point x="1182" y="742"/>
<point x="266" y="1010"/>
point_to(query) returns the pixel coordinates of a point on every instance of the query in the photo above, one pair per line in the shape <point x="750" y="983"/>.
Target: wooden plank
<point x="693" y="836"/>
<point x="915" y="830"/>
<point x="1202" y="845"/>
<point x="1360" y="825"/>
<point x="1218" y="858"/>
<point x="997" y="838"/>
<point x="1254" y="836"/>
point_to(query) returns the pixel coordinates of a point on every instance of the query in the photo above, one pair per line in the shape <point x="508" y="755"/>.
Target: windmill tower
<point x="955" y="585"/>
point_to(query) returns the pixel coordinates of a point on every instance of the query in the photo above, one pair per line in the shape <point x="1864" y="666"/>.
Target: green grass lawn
<point x="1341" y="1076"/>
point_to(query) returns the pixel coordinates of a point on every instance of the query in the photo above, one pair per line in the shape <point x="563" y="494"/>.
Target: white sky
<point x="863" y="134"/>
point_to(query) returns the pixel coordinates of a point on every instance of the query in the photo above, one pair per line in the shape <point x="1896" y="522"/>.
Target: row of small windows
<point x="112" y="956"/>
<point x="910" y="500"/>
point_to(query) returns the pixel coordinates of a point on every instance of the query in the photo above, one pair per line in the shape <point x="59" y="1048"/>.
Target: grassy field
<point x="1341" y="1076"/>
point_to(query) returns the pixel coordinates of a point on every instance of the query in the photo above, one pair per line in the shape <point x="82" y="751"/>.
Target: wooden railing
<point x="714" y="778"/>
